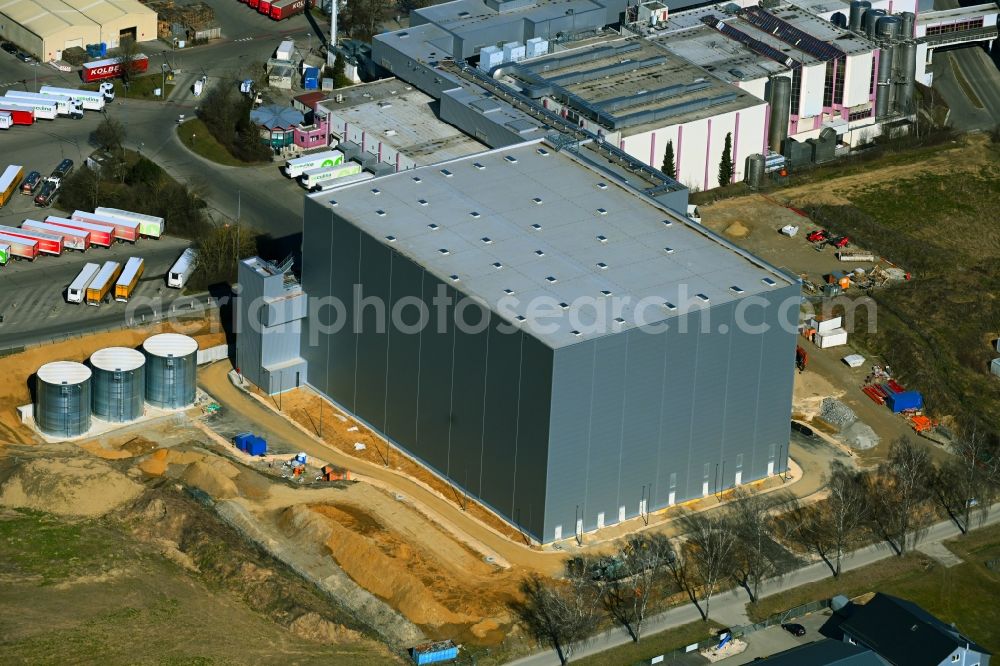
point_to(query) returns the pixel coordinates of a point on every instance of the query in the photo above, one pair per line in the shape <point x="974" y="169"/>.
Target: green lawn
<point x="198" y="139"/>
<point x="653" y="645"/>
<point x="965" y="594"/>
<point x="142" y="88"/>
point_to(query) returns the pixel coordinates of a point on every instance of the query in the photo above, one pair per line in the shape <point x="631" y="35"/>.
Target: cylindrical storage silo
<point x="906" y="29"/>
<point x="781" y="101"/>
<point x="755" y="170"/>
<point x="906" y="54"/>
<point x="62" y="399"/>
<point x="839" y="20"/>
<point x="118" y="389"/>
<point x="888" y="28"/>
<point x="171" y="368"/>
<point x="883" y="89"/>
<point x="871" y="21"/>
<point x="858" y="9"/>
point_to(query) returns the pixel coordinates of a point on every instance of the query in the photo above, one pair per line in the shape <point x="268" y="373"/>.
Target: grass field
<point x="199" y="140"/>
<point x="935" y="330"/>
<point x="653" y="645"/>
<point x="142" y="87"/>
<point x="965" y="594"/>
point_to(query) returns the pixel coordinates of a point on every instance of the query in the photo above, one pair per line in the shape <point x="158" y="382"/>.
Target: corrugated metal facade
<point x="546" y="437"/>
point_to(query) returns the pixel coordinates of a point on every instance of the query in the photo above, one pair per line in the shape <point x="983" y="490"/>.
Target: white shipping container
<point x="182" y="269"/>
<point x="834" y="338"/>
<point x="826" y="325"/>
<point x="995" y="367"/>
<point x="285" y="50"/>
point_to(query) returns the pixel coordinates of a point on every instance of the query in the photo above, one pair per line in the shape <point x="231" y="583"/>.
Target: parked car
<point x="9" y="48"/>
<point x="46" y="194"/>
<point x="22" y="56"/>
<point x="794" y="629"/>
<point x="63" y="169"/>
<point x="31" y="182"/>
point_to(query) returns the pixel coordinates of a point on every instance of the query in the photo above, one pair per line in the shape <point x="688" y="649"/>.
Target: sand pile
<point x="211" y="478"/>
<point x="737" y="230"/>
<point x="313" y="627"/>
<point x="68" y="487"/>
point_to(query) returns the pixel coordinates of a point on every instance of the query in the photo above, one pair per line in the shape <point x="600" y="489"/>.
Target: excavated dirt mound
<point x="312" y="626"/>
<point x="68" y="487"/>
<point x="211" y="479"/>
<point x="737" y="230"/>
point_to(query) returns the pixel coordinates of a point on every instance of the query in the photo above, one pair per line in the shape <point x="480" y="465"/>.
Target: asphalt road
<point x="980" y="71"/>
<point x="730" y="608"/>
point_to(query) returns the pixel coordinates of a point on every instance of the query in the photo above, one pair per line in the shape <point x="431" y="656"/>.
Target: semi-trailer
<point x="9" y="181"/>
<point x="4" y="253"/>
<point x="182" y="269"/>
<point x="110" y="68"/>
<point x="20" y="248"/>
<point x="264" y="7"/>
<point x="47" y="243"/>
<point x="39" y="109"/>
<point x="125" y="230"/>
<point x="129" y="278"/>
<point x="100" y="234"/>
<point x="91" y="100"/>
<point x="6" y="120"/>
<point x="346" y="180"/>
<point x="150" y="226"/>
<point x="65" y="106"/>
<point x="73" y="239"/>
<point x="103" y="282"/>
<point x="19" y="116"/>
<point x="324" y="177"/>
<point x="297" y="166"/>
<point x="282" y="9"/>
<point x="77" y="290"/>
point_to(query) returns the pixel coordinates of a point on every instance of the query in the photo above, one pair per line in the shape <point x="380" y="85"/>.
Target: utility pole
<point x="321" y="418"/>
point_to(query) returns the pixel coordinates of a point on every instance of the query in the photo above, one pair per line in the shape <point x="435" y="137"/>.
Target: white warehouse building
<point x="640" y="97"/>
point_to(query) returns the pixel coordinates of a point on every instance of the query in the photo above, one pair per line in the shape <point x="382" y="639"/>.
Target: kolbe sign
<point x="111" y="68"/>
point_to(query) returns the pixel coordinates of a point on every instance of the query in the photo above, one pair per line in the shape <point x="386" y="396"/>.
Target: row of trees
<point x="736" y="545"/>
<point x="226" y="114"/>
<point x="726" y="165"/>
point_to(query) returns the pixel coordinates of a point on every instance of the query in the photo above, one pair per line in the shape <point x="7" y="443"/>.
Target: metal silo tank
<point x="171" y="370"/>
<point x="839" y="20"/>
<point x="755" y="170"/>
<point x="907" y="66"/>
<point x="118" y="389"/>
<point x="871" y="21"/>
<point x="906" y="29"/>
<point x="781" y="100"/>
<point x="62" y="399"/>
<point x="888" y="28"/>
<point x="884" y="80"/>
<point x="858" y="9"/>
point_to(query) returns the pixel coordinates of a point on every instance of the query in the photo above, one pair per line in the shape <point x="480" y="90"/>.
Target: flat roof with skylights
<point x="518" y="224"/>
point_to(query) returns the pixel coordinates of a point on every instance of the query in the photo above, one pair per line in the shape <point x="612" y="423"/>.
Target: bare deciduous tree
<point x="128" y="53"/>
<point x="558" y="613"/>
<point x="711" y="546"/>
<point x="748" y="516"/>
<point x="844" y="512"/>
<point x="963" y="484"/>
<point x="898" y="492"/>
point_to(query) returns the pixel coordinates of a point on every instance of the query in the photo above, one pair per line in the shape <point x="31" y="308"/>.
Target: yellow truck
<point x="9" y="181"/>
<point x="129" y="278"/>
<point x="103" y="282"/>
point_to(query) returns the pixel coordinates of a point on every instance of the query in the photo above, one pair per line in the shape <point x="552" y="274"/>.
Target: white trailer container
<point x="827" y="325"/>
<point x="150" y="226"/>
<point x="65" y="106"/>
<point x="285" y="51"/>
<point x="326" y="159"/>
<point x="93" y="101"/>
<point x="182" y="269"/>
<point x="5" y="120"/>
<point x="323" y="178"/>
<point x="833" y="338"/>
<point x="73" y="239"/>
<point x="48" y="111"/>
<point x="77" y="291"/>
<point x="346" y="180"/>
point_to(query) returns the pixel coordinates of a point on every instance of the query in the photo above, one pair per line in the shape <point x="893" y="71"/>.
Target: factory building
<point x="45" y="28"/>
<point x="640" y="97"/>
<point x="554" y="343"/>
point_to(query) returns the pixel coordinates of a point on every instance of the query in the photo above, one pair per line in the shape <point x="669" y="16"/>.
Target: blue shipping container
<point x="435" y="654"/>
<point x="104" y="49"/>
<point x="899" y="402"/>
<point x="241" y="440"/>
<point x="256" y="446"/>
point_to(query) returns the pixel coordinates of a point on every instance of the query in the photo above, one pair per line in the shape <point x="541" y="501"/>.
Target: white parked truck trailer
<point x="65" y="106"/>
<point x="92" y="101"/>
<point x="77" y="291"/>
<point x="150" y="226"/>
<point x="182" y="269"/>
<point x="326" y="159"/>
<point x="315" y="180"/>
<point x="48" y="111"/>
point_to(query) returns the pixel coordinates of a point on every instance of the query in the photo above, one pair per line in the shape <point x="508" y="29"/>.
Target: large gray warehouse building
<point x="609" y="358"/>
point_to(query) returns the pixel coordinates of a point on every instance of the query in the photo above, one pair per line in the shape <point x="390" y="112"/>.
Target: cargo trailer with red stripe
<point x="22" y="248"/>
<point x="252" y="4"/>
<point x="264" y="7"/>
<point x="282" y="9"/>
<point x="100" y="234"/>
<point x="47" y="243"/>
<point x="73" y="239"/>
<point x="20" y="116"/>
<point x="110" y="68"/>
<point x="125" y="230"/>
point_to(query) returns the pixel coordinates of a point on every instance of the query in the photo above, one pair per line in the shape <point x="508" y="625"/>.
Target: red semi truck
<point x="100" y="234"/>
<point x="110" y="68"/>
<point x="22" y="248"/>
<point x="126" y="230"/>
<point x="282" y="9"/>
<point x="47" y="243"/>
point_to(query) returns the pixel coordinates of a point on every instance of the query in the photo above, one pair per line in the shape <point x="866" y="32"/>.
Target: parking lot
<point x="775" y="639"/>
